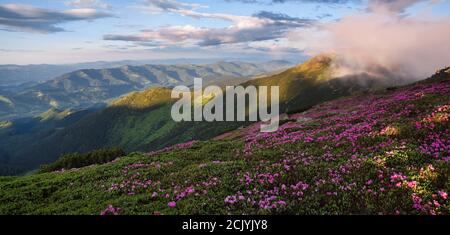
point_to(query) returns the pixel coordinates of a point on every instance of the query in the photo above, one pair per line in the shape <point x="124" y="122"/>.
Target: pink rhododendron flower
<point x="172" y="204"/>
<point x="443" y="194"/>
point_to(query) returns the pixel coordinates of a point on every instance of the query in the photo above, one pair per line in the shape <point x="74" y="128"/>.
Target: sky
<point x="73" y="31"/>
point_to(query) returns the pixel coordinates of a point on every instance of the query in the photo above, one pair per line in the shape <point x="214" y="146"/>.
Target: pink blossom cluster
<point x="111" y="210"/>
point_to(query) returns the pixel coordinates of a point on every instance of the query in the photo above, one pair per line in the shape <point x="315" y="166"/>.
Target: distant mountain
<point x="87" y="87"/>
<point x="142" y="121"/>
<point x="14" y="75"/>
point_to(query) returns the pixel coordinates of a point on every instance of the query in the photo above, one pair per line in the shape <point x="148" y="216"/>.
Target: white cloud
<point x="259" y="27"/>
<point x="31" y="19"/>
<point x="97" y="4"/>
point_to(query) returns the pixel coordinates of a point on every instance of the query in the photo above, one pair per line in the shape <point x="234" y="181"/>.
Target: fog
<point x="410" y="46"/>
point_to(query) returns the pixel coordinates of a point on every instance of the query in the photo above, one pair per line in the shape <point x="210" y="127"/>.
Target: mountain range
<point x="141" y="121"/>
<point x="89" y="87"/>
<point x="16" y="76"/>
<point x="382" y="152"/>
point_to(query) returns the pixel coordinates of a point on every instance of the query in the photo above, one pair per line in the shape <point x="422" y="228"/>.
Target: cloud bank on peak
<point x="39" y="20"/>
<point x="411" y="47"/>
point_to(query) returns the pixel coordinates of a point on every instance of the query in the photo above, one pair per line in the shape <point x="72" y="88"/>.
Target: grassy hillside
<point x="141" y="121"/>
<point x="379" y="153"/>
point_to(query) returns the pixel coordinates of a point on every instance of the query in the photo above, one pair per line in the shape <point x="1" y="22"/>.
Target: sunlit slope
<point x="142" y="120"/>
<point x="383" y="152"/>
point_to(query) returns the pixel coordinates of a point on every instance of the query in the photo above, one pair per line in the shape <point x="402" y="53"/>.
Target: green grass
<point x="85" y="191"/>
<point x="335" y="177"/>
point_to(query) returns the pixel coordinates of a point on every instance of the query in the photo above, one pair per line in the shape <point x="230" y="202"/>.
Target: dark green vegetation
<point x="77" y="160"/>
<point x="87" y="87"/>
<point x="141" y="121"/>
<point x="377" y="153"/>
<point x="18" y="136"/>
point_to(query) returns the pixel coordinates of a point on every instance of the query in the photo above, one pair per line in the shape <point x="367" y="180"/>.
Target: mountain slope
<point x="19" y="135"/>
<point x="84" y="88"/>
<point x="142" y="121"/>
<point x="378" y="153"/>
<point x="315" y="81"/>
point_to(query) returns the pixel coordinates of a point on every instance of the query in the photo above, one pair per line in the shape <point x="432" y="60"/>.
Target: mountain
<point x="84" y="88"/>
<point x="316" y="81"/>
<point x="13" y="75"/>
<point x="141" y="121"/>
<point x="381" y="153"/>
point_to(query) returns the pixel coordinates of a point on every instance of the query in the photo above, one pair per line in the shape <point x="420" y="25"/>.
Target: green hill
<point x="384" y="152"/>
<point x="141" y="121"/>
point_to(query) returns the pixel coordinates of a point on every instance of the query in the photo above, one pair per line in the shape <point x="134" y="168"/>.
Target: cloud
<point x="250" y="29"/>
<point x="259" y="27"/>
<point x="284" y="1"/>
<point x="283" y="19"/>
<point x="96" y="4"/>
<point x="31" y="19"/>
<point x="191" y="35"/>
<point x="398" y="6"/>
<point x="412" y="47"/>
<point x="160" y="6"/>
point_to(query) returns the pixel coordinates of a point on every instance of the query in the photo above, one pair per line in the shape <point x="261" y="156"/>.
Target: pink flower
<point x="230" y="200"/>
<point x="443" y="194"/>
<point x="172" y="204"/>
<point x="412" y="184"/>
<point x="110" y="210"/>
<point x="436" y="203"/>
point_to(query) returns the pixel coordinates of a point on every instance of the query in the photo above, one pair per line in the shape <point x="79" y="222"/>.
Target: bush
<point x="77" y="160"/>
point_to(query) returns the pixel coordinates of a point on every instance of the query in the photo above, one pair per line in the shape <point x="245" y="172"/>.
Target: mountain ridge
<point x="135" y="124"/>
<point x="87" y="87"/>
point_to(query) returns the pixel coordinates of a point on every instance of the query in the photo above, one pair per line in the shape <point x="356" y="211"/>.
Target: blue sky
<point x="71" y="31"/>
